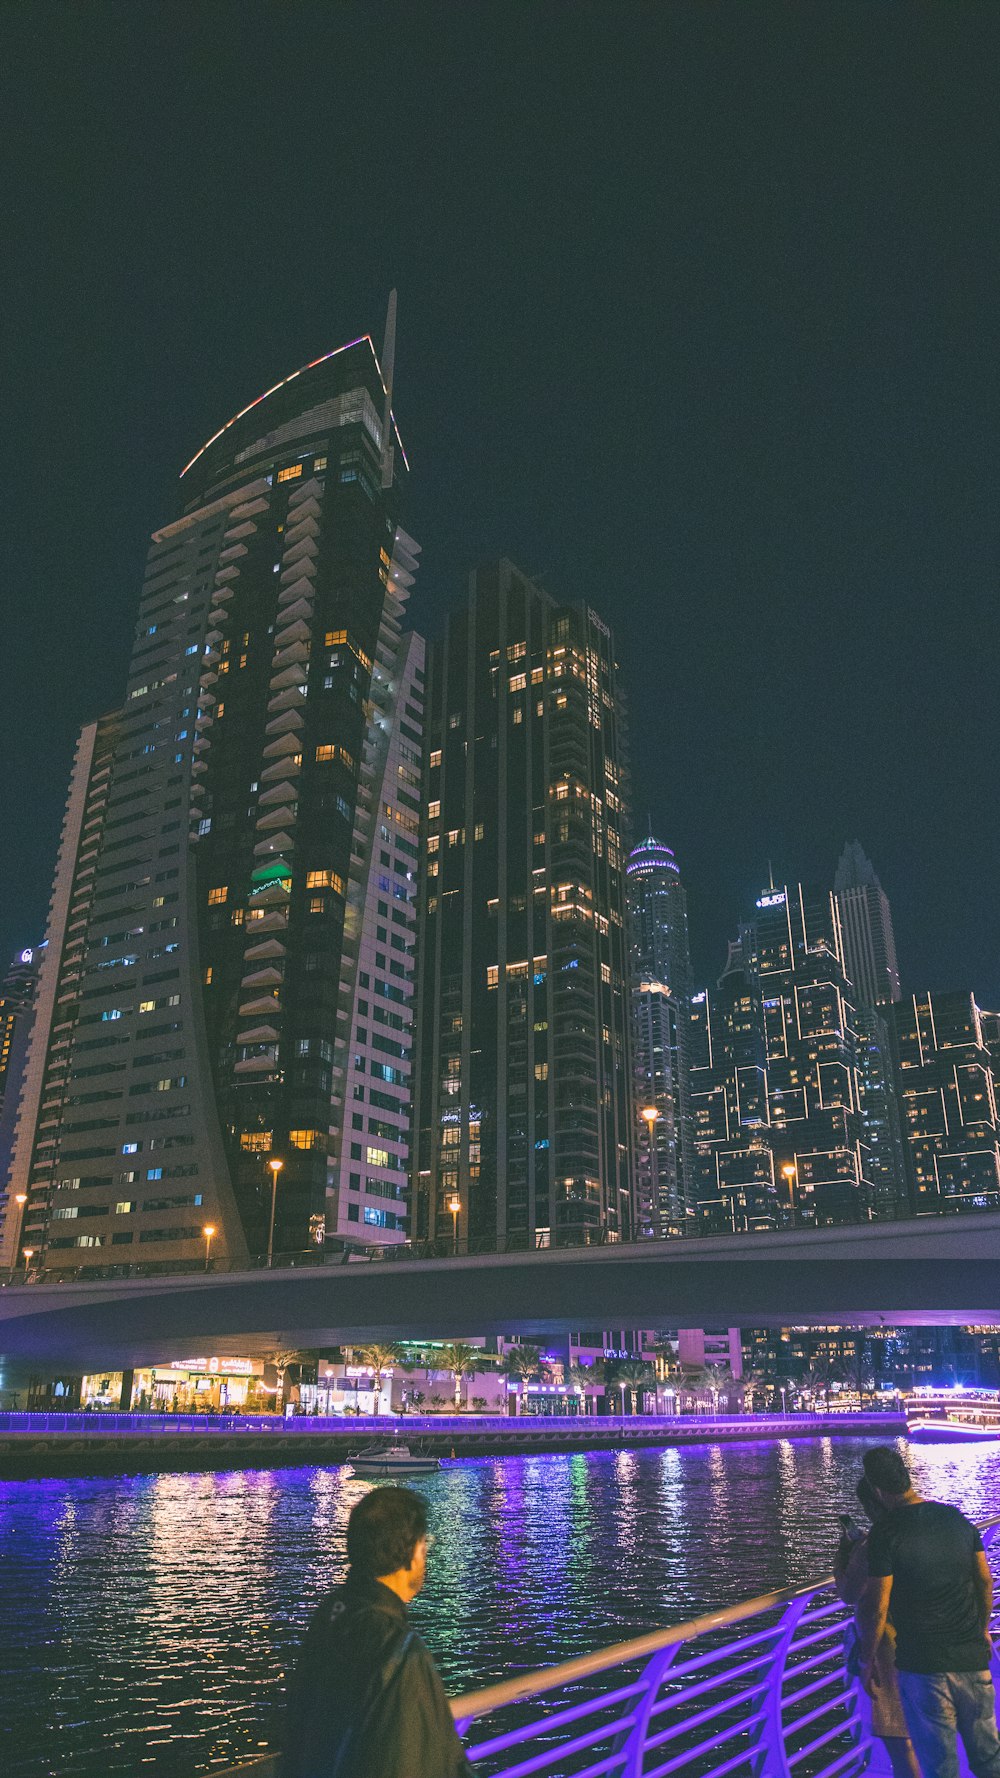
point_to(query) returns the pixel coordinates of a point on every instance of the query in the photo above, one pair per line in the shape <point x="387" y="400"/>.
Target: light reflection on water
<point x="146" y="1621"/>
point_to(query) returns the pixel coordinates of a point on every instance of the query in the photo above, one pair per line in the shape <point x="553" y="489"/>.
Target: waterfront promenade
<point x="131" y="1443"/>
<point x="758" y="1690"/>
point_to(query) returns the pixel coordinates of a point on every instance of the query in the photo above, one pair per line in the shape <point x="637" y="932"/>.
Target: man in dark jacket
<point x="366" y="1700"/>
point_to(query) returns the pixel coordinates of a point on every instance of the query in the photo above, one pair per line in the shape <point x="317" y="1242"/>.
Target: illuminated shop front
<point x="186" y="1386"/>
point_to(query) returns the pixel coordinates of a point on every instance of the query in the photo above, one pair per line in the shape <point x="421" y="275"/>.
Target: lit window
<point x="325" y="879"/>
<point x="335" y="638"/>
<point x="480" y="830"/>
<point x="518" y="682"/>
<point x="307" y="1138"/>
<point x="377" y="1157"/>
<point x="436" y="757"/>
<point x="220" y="710"/>
<point x="256" y="1141"/>
<point x="516" y="651"/>
<point x="518" y="714"/>
<point x="433" y="811"/>
<point x="124" y="1208"/>
<point x="208" y="976"/>
<point x="317" y="905"/>
<point x="493" y="975"/>
<point x="217" y="896"/>
<point x="146" y="1005"/>
<point x="319" y="463"/>
<point x="291" y="474"/>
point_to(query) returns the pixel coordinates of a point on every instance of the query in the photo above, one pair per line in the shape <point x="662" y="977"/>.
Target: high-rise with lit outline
<point x="229" y="975"/>
<point x="660" y="965"/>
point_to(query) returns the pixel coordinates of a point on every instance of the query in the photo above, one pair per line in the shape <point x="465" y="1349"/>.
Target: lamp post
<point x="454" y="1205"/>
<point x="208" y="1231"/>
<point x="650" y="1115"/>
<point x="790" y="1172"/>
<point x="275" y="1167"/>
<point x="29" y="1254"/>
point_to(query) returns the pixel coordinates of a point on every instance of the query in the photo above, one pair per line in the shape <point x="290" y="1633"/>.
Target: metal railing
<point x="760" y="1690"/>
<point x="110" y="1423"/>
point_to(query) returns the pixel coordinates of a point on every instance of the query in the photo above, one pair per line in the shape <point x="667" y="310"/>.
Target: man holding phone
<point x="927" y="1561"/>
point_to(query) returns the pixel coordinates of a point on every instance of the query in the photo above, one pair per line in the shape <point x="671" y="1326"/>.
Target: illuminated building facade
<point x="948" y="1102"/>
<point x="660" y="964"/>
<point x="17" y="997"/>
<point x="734" y="1182"/>
<point x="869" y="943"/>
<point x="775" y="1087"/>
<point x="523" y="1110"/>
<point x="230" y="965"/>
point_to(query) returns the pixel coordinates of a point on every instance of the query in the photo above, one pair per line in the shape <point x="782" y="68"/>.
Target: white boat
<point x="393" y="1460"/>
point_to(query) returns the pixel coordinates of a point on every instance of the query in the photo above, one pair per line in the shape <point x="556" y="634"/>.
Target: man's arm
<point x="873" y="1609"/>
<point x="982" y="1580"/>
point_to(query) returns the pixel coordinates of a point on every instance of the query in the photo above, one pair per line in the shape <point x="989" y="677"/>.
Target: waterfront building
<point x="523" y="1116"/>
<point x="735" y="1186"/>
<point x="868" y="940"/>
<point x="660" y="963"/>
<point x="775" y="1087"/>
<point x="880" y="1114"/>
<point x="229" y="975"/>
<point x="17" y="998"/>
<point x="948" y="1102"/>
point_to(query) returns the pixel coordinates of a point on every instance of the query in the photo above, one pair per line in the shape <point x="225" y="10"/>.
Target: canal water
<point x="146" y="1622"/>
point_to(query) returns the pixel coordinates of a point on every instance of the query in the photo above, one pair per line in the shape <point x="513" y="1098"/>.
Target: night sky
<point x="697" y="322"/>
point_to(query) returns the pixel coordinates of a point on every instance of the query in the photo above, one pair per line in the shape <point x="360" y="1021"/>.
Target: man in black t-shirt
<point x="927" y="1567"/>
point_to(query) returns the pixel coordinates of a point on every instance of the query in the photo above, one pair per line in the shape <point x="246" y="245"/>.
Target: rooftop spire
<point x="388" y="366"/>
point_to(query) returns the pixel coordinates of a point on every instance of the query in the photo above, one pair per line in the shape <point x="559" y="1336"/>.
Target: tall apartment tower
<point x="948" y="1098"/>
<point x="775" y="1083"/>
<point x="660" y="962"/>
<point x="734" y="1184"/>
<point x="869" y="944"/>
<point x="229" y="974"/>
<point x="523" y="1109"/>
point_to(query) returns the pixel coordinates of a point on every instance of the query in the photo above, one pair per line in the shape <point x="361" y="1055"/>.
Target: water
<point x="147" y="1621"/>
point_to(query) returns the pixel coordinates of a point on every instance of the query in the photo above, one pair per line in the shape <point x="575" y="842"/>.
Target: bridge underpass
<point x="922" y="1272"/>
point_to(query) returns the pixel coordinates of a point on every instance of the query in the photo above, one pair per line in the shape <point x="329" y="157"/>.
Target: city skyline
<point x="812" y="500"/>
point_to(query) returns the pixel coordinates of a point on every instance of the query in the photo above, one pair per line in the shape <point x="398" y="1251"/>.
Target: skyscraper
<point x="230" y="973"/>
<point x="948" y="1101"/>
<point x="660" y="966"/>
<point x="869" y="944"/>
<point x="17" y="997"/>
<point x="734" y="1183"/>
<point x="523" y="1113"/>
<point x="776" y="1094"/>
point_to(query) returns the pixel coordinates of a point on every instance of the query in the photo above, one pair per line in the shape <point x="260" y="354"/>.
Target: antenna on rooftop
<point x="388" y="365"/>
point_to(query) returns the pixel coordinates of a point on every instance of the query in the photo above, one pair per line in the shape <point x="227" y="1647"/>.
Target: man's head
<point x="887" y="1473"/>
<point x="869" y="1499"/>
<point x="387" y="1540"/>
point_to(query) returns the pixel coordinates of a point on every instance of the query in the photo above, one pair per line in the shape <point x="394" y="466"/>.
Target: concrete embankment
<point x="134" y="1444"/>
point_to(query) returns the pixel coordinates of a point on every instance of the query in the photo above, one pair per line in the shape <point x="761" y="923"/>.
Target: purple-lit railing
<point x="760" y="1690"/>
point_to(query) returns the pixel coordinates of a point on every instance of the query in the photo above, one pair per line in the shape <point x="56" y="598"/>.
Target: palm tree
<point x="380" y="1357"/>
<point x="583" y="1377"/>
<point x="632" y="1374"/>
<point x="520" y="1363"/>
<point x="281" y="1362"/>
<point x="695" y="1378"/>
<point x="461" y="1360"/>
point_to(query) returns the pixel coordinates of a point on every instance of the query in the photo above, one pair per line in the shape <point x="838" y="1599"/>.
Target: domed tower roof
<point x="648" y="856"/>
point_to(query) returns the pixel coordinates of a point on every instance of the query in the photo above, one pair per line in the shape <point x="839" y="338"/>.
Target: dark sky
<point x="698" y="321"/>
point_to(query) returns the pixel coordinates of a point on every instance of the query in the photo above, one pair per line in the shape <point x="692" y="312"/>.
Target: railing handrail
<point x="510" y="1691"/>
<point x="546" y="1679"/>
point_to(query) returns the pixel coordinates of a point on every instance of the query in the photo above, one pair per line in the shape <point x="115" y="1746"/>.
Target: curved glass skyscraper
<point x="229" y="975"/>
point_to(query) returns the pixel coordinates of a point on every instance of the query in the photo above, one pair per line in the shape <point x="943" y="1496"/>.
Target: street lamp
<point x="454" y="1205"/>
<point x="208" y="1231"/>
<point x="650" y="1115"/>
<point x="29" y="1254"/>
<point x="275" y="1167"/>
<point x="790" y="1172"/>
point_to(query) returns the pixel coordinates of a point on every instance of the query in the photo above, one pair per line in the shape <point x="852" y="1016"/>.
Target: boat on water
<point x="393" y="1460"/>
